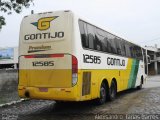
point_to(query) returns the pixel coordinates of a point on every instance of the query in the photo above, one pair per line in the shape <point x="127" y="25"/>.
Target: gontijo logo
<point x="44" y="23"/>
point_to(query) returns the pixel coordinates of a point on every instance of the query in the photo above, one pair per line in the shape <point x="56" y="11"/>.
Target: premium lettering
<point x="38" y="48"/>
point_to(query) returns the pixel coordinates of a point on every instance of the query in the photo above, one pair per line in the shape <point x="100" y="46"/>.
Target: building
<point x="154" y="65"/>
<point x="9" y="58"/>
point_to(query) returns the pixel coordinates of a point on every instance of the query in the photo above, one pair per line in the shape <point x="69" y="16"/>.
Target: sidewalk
<point x="154" y="77"/>
<point x="8" y="86"/>
<point x="8" y="93"/>
<point x="152" y="81"/>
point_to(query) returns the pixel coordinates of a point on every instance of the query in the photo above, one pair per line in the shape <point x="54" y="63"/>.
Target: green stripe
<point x="133" y="74"/>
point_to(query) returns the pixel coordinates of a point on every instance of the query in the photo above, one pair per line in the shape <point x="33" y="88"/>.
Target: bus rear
<point x="47" y="68"/>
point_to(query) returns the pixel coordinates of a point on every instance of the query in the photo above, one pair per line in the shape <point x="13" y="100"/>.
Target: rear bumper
<point x="64" y="94"/>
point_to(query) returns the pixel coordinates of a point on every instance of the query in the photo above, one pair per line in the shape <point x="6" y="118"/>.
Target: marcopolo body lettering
<point x="115" y="61"/>
<point x="39" y="36"/>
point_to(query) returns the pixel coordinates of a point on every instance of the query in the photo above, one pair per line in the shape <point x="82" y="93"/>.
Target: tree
<point x="9" y="6"/>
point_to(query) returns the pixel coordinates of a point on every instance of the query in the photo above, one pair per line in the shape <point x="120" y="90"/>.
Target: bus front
<point x="47" y="69"/>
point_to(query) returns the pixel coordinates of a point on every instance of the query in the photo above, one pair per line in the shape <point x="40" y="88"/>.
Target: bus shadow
<point x="87" y="106"/>
<point x="90" y="108"/>
<point x="129" y="91"/>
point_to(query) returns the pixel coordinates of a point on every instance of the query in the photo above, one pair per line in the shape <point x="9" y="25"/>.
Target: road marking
<point x="13" y="102"/>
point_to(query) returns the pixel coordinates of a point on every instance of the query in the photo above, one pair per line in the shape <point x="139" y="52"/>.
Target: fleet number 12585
<point x="91" y="59"/>
<point x="43" y="63"/>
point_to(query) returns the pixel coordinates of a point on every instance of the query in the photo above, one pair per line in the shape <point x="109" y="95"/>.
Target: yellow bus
<point x="63" y="57"/>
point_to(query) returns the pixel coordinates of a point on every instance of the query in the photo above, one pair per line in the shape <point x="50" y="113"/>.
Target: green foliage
<point x="9" y="6"/>
<point x="2" y="22"/>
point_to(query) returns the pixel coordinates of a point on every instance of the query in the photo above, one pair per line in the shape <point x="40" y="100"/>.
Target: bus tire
<point x="112" y="91"/>
<point x="103" y="94"/>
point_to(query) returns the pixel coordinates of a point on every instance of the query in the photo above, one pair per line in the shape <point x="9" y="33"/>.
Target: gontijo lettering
<point x="44" y="36"/>
<point x="115" y="61"/>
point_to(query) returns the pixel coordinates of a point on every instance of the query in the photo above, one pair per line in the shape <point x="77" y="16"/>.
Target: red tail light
<point x="74" y="64"/>
<point x="29" y="56"/>
<point x="74" y="70"/>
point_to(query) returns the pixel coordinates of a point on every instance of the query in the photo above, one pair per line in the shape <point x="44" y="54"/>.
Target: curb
<point x="12" y="103"/>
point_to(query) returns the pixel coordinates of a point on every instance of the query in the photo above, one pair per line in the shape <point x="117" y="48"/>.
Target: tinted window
<point x="123" y="48"/>
<point x="118" y="45"/>
<point x="102" y="39"/>
<point x="139" y="53"/>
<point x="133" y="55"/>
<point x="127" y="48"/>
<point x="112" y="44"/>
<point x="136" y="51"/>
<point x="91" y="36"/>
<point x="85" y="42"/>
<point x="97" y="39"/>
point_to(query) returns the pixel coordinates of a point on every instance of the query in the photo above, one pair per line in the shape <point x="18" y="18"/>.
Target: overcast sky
<point x="134" y="20"/>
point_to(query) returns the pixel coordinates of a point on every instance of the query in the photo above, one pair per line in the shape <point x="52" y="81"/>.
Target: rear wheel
<point x="103" y="94"/>
<point x="112" y="91"/>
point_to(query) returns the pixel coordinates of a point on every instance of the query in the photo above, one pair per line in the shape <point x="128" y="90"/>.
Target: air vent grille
<point x="86" y="85"/>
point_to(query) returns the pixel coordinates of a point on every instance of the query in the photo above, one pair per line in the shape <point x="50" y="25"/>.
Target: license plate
<point x="43" y="89"/>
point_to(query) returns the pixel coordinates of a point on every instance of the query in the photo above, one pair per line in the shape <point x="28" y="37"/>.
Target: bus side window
<point x="105" y="44"/>
<point x="111" y="43"/>
<point x="98" y="43"/>
<point x="101" y="40"/>
<point x="109" y="47"/>
<point x="84" y="39"/>
<point x="131" y="49"/>
<point x="135" y="51"/>
<point x="91" y="36"/>
<point x="91" y="41"/>
<point x="127" y="48"/>
<point x="118" y="45"/>
<point x="123" y="49"/>
<point x="113" y="46"/>
<point x="139" y="54"/>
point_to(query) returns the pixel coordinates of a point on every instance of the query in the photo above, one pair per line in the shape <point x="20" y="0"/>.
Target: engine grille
<point x="86" y="85"/>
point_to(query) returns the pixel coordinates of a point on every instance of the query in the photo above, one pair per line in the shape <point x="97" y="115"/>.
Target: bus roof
<point x="91" y="22"/>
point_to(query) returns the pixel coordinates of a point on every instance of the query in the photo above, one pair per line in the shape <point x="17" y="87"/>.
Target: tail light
<point x="29" y="56"/>
<point x="74" y="70"/>
<point x="44" y="56"/>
